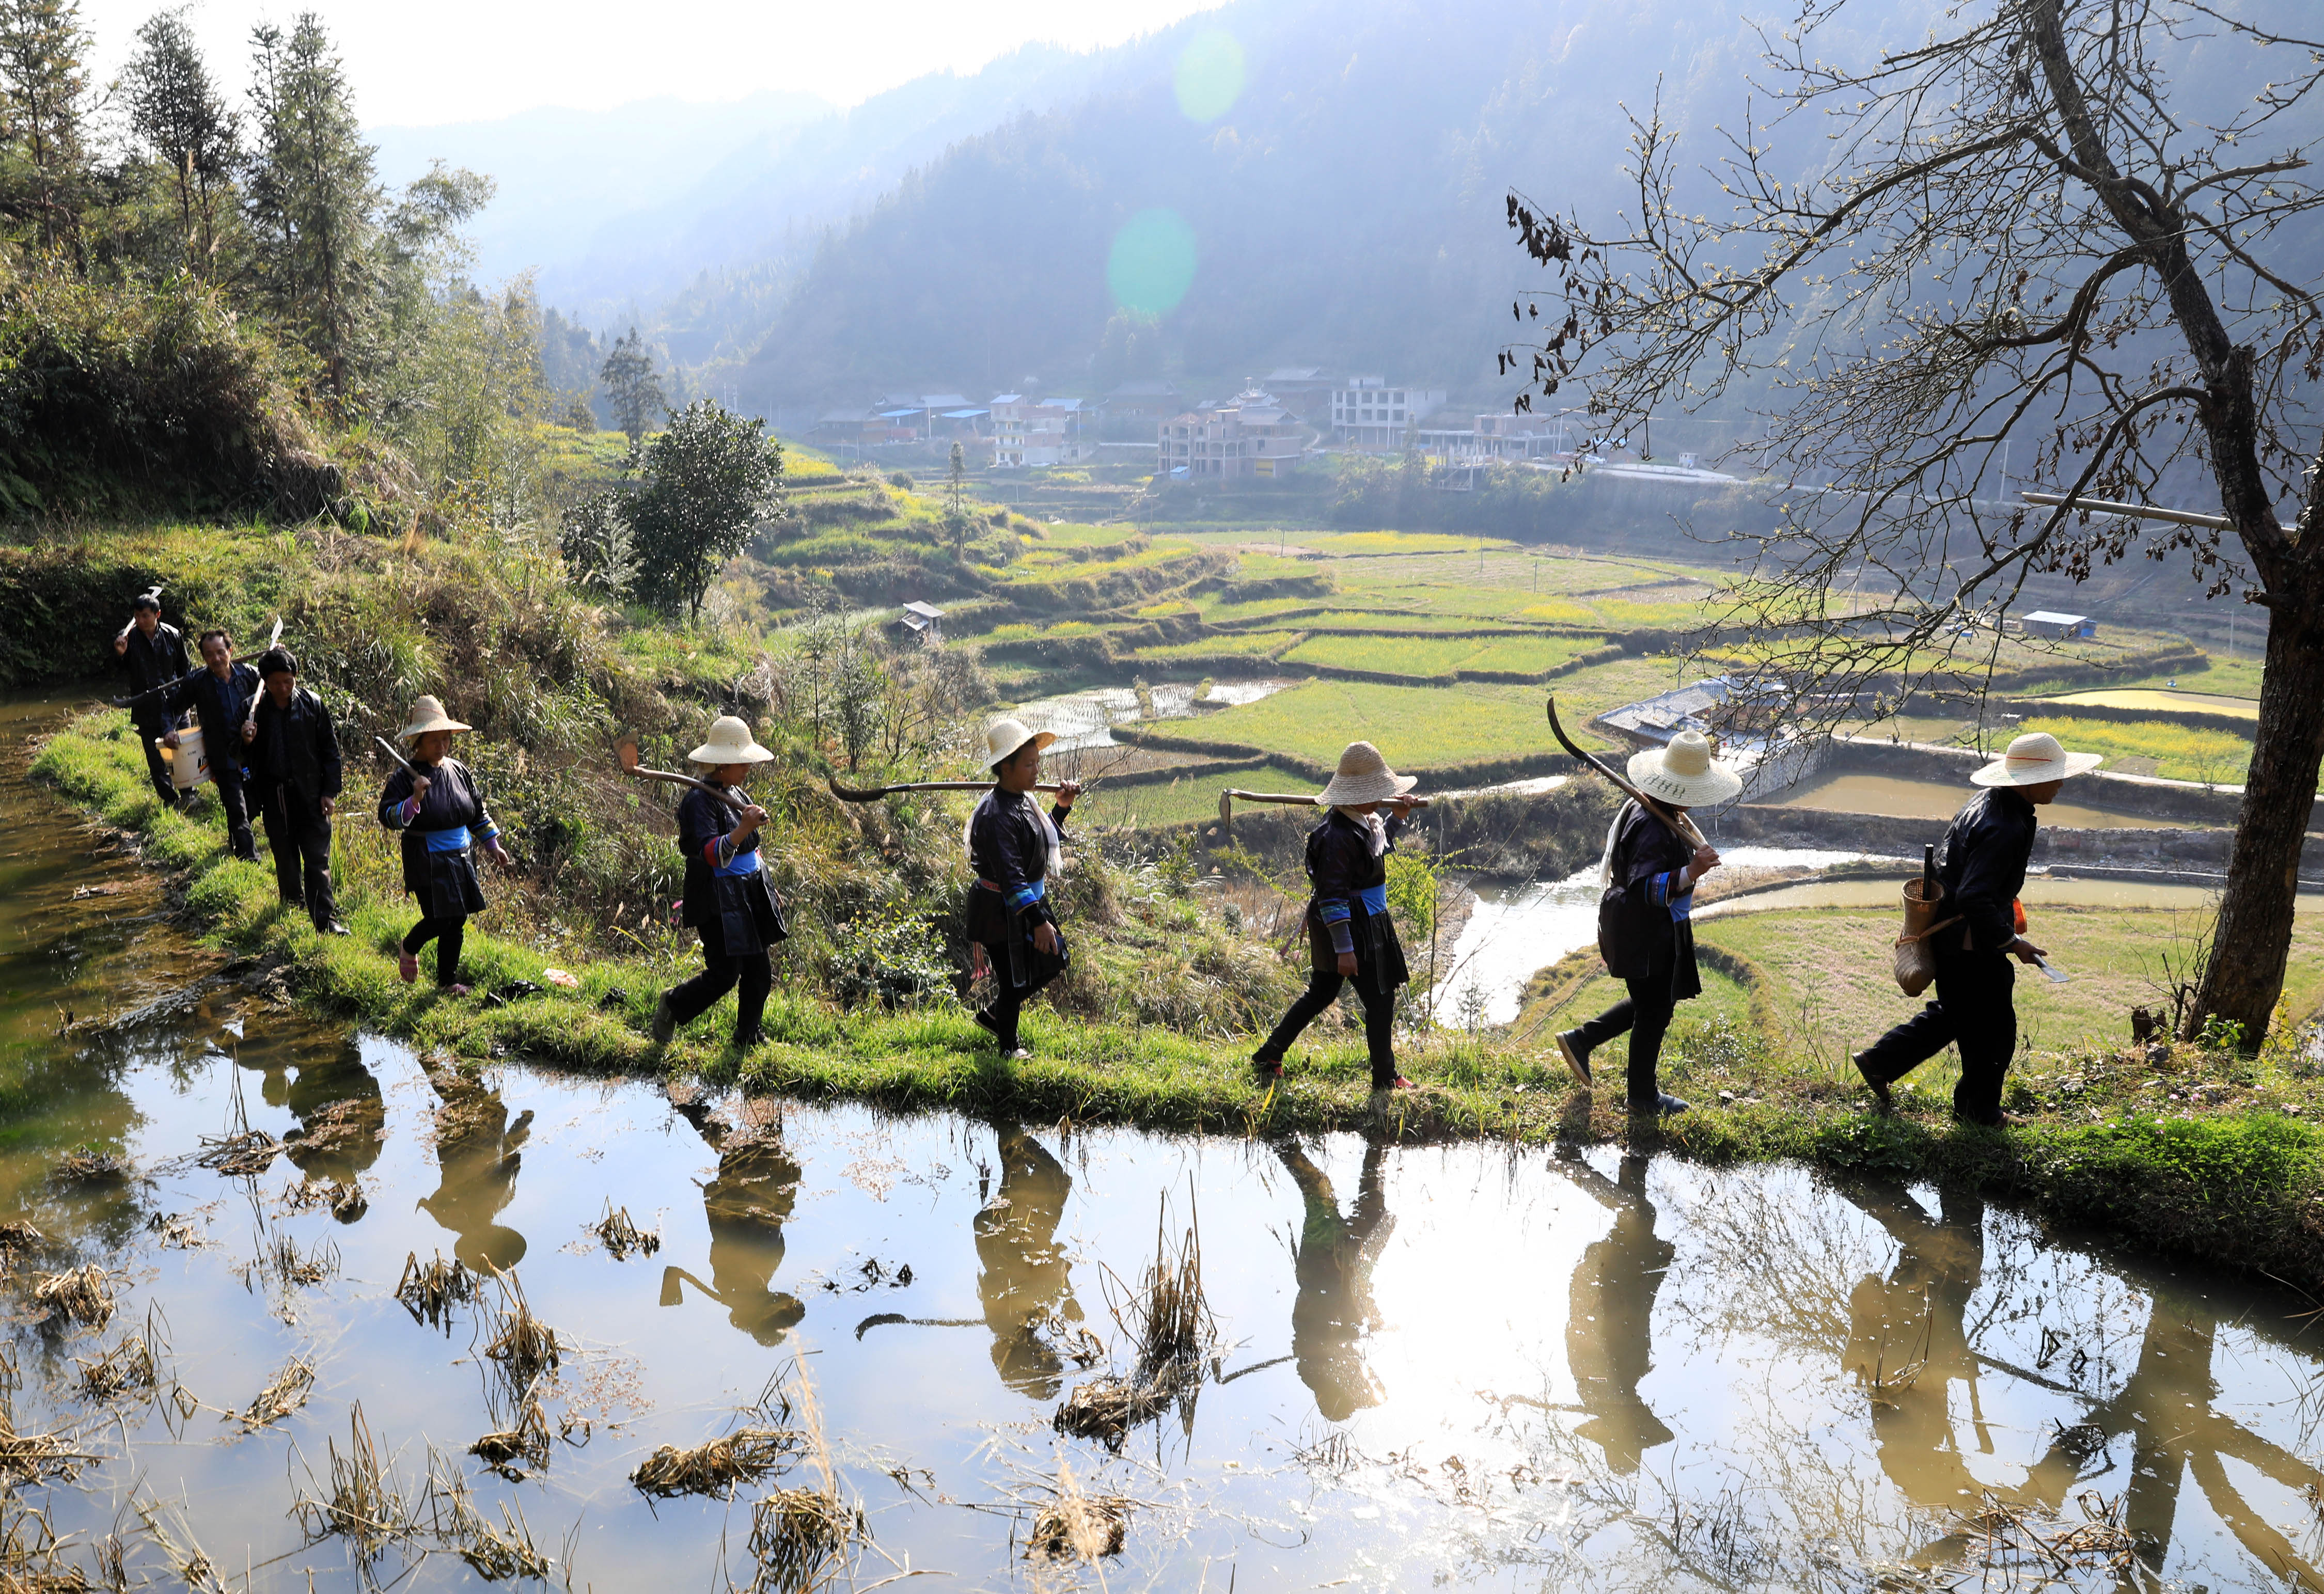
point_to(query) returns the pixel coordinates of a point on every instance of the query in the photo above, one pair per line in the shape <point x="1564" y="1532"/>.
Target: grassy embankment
<point x="2197" y="1153"/>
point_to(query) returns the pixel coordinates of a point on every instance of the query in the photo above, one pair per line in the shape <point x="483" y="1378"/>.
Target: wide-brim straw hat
<point x="1364" y="776"/>
<point x="2033" y="759"/>
<point x="730" y="743"/>
<point x="1003" y="738"/>
<point x="1684" y="773"/>
<point x="427" y="714"/>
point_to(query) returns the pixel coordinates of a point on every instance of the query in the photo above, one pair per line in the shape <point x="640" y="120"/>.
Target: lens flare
<point x="1152" y="263"/>
<point x="1209" y="75"/>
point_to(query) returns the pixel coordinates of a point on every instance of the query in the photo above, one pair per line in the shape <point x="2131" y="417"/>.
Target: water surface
<point x="1896" y="798"/>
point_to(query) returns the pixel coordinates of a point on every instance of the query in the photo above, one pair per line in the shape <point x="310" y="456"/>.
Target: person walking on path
<point x="220" y="693"/>
<point x="1349" y="934"/>
<point x="295" y="772"/>
<point x="1645" y="928"/>
<point x="153" y="652"/>
<point x="440" y="810"/>
<point x="1982" y="869"/>
<point x="727" y="900"/>
<point x="1014" y="850"/>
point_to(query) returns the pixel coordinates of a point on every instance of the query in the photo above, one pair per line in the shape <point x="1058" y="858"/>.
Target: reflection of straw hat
<point x="1002" y="738"/>
<point x="427" y="714"/>
<point x="1364" y="776"/>
<point x="729" y="743"/>
<point x="2033" y="759"/>
<point x="1685" y="773"/>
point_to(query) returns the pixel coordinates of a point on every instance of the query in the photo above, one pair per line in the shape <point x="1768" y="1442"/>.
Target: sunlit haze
<point x="446" y="61"/>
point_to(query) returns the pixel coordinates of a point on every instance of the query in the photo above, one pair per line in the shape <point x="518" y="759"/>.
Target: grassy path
<point x="2201" y="1154"/>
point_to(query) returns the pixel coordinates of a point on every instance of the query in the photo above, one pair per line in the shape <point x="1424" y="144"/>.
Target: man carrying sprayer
<point x="295" y="773"/>
<point x="1980" y="928"/>
<point x="154" y="654"/>
<point x="220" y="694"/>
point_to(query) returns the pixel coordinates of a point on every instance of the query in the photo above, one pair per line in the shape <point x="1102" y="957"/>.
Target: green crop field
<point x="1419" y="658"/>
<point x="1391" y="619"/>
<point x="1529" y="654"/>
<point x="1256" y="644"/>
<point x="1420" y="727"/>
<point x="2179" y="752"/>
<point x="1228" y="613"/>
<point x="1346" y="544"/>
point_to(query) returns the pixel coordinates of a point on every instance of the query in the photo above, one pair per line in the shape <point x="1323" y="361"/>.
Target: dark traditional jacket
<point x="717" y="884"/>
<point x="1341" y="870"/>
<point x="1010" y="896"/>
<point x="440" y="875"/>
<point x="221" y="706"/>
<point x="296" y="748"/>
<point x="1982" y="865"/>
<point x="153" y="662"/>
<point x="1644" y="911"/>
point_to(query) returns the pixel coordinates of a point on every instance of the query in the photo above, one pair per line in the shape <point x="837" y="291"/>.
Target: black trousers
<point x="150" y="727"/>
<point x="234" y="796"/>
<point x="300" y="835"/>
<point x="749" y="975"/>
<point x="1322" y="990"/>
<point x="1645" y="1013"/>
<point x="448" y="933"/>
<point x="1975" y="1013"/>
<point x="1009" y="1004"/>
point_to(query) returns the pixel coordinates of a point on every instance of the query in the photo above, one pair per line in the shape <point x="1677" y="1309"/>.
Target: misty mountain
<point x="1343" y="207"/>
<point x="627" y="208"/>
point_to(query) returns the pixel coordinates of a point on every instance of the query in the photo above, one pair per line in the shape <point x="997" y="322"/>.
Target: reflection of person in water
<point x="755" y="1188"/>
<point x="1908" y="1342"/>
<point x="341" y="1114"/>
<point x="1023" y="1278"/>
<point x="1333" y="1265"/>
<point x="476" y="1158"/>
<point x="1610" y="1315"/>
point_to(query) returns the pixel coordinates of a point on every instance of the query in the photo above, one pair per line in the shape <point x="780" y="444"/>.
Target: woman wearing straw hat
<point x="1349" y="935"/>
<point x="437" y="806"/>
<point x="1644" y="932"/>
<point x="1013" y="849"/>
<point x="1982" y="870"/>
<point x="727" y="900"/>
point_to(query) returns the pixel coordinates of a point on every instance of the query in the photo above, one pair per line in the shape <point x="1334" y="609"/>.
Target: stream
<point x="1423" y="1365"/>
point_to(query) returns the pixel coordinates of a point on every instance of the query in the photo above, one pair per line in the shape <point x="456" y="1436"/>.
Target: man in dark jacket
<point x="220" y="694"/>
<point x="154" y="654"/>
<point x="294" y="772"/>
<point x="1979" y="927"/>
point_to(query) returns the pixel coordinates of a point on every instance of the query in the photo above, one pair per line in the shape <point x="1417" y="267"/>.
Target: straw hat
<point x="1683" y="772"/>
<point x="729" y="743"/>
<point x="1364" y="776"/>
<point x="2033" y="759"/>
<point x="427" y="714"/>
<point x="1002" y="738"/>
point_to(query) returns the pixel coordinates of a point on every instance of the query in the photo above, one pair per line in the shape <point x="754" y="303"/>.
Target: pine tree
<point x="313" y="199"/>
<point x="177" y="114"/>
<point x="45" y="176"/>
<point x="630" y="383"/>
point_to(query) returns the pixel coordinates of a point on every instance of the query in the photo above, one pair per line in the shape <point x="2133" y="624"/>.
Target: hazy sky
<point x="457" y="61"/>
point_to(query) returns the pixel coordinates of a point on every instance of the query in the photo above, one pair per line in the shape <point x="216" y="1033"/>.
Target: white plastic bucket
<point x="189" y="766"/>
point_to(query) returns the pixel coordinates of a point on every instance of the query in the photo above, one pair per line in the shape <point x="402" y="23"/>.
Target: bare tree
<point x="2012" y="229"/>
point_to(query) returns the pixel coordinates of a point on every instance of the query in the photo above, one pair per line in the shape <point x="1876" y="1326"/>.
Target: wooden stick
<point x="626" y="750"/>
<point x="1678" y="823"/>
<point x="1229" y="797"/>
<point x="872" y="794"/>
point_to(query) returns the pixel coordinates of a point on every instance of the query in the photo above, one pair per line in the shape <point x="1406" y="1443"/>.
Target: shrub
<point x="889" y="953"/>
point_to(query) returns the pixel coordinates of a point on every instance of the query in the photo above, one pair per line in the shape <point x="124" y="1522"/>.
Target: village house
<point x="1027" y="434"/>
<point x="1368" y="413"/>
<point x="1250" y="434"/>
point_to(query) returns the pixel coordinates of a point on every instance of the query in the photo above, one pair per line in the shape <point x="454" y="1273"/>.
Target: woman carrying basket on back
<point x="1349" y="935"/>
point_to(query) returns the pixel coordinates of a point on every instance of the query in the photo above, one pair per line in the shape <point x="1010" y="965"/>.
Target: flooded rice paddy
<point x="1896" y="799"/>
<point x="1409" y="1366"/>
<point x="2148" y="697"/>
<point x="2040" y="891"/>
<point x="1086" y="719"/>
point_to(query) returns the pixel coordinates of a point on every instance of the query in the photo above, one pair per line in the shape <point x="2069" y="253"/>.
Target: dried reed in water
<point x="364" y="1508"/>
<point x="28" y="1458"/>
<point x="88" y="1165"/>
<point x="285" y="1393"/>
<point x="744" y="1456"/>
<point x="1074" y="1525"/>
<point x="16" y="1238"/>
<point x="496" y="1554"/>
<point x="1170" y="1323"/>
<point x="127" y="1366"/>
<point x="620" y="1236"/>
<point x="798" y="1535"/>
<point x="528" y="1441"/>
<point x="526" y="1347"/>
<point x="239" y="1155"/>
<point x="429" y="1291"/>
<point x="79" y="1294"/>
